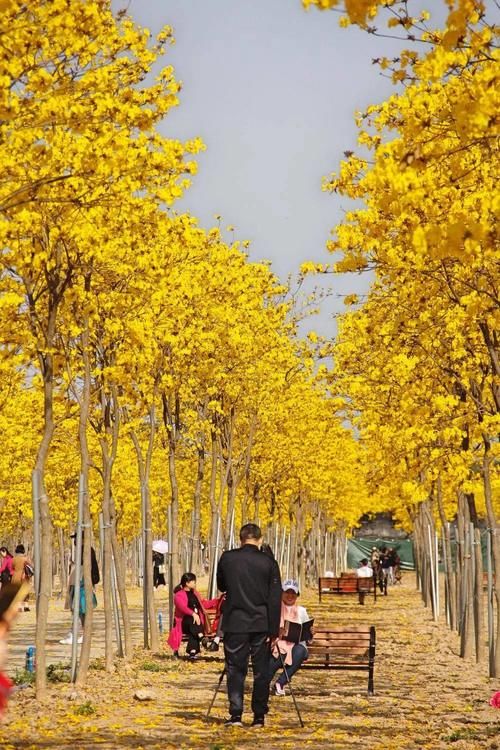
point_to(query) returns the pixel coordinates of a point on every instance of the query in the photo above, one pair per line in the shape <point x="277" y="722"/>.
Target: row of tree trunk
<point x="471" y="589"/>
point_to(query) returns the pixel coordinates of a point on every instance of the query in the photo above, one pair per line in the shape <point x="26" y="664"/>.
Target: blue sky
<point x="271" y="89"/>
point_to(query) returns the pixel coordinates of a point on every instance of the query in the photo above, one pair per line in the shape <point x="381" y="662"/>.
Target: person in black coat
<point x="252" y="583"/>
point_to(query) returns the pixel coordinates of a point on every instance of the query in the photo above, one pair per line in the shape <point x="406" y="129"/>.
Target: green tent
<point x="358" y="548"/>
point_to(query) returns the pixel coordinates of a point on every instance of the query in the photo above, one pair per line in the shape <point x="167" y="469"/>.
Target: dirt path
<point x="426" y="697"/>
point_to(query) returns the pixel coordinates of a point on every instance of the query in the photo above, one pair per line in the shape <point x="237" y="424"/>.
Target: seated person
<point x="293" y="654"/>
<point x="364" y="571"/>
<point x="189" y="616"/>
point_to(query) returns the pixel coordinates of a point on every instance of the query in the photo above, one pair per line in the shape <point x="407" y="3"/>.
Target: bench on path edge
<point x="350" y="648"/>
<point x="211" y="613"/>
<point x="348" y="584"/>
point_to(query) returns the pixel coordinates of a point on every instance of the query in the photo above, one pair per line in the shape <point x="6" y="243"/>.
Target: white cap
<point x="291" y="584"/>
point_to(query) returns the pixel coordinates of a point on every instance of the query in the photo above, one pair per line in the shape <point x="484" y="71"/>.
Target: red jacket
<point x="181" y="610"/>
<point x="6" y="565"/>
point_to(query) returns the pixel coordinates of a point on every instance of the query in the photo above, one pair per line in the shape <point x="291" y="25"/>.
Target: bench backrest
<point x="345" y="584"/>
<point x="351" y="646"/>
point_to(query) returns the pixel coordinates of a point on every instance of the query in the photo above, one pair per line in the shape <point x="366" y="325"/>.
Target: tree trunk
<point x="195" y="541"/>
<point x="107" y="557"/>
<point x="46" y="362"/>
<point x="467" y="587"/>
<point x="87" y="520"/>
<point x="495" y="544"/>
<point x="478" y="597"/>
<point x="450" y="575"/>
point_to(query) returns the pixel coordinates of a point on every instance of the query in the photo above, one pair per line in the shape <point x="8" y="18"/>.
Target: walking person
<point x="251" y="581"/>
<point x="385" y="564"/>
<point x="82" y="604"/>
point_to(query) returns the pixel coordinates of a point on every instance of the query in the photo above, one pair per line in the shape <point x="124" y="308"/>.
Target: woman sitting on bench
<point x="285" y="652"/>
<point x="189" y="616"/>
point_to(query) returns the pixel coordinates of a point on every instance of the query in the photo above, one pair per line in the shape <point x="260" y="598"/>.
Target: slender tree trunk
<point x="450" y="575"/>
<point x="121" y="573"/>
<point x="195" y="542"/>
<point x="107" y="557"/>
<point x="478" y="597"/>
<point x="495" y="543"/>
<point x="467" y="590"/>
<point x="144" y="466"/>
<point x="62" y="558"/>
<point x="46" y="362"/>
<point x="87" y="520"/>
<point x="174" y="516"/>
<point x="153" y="623"/>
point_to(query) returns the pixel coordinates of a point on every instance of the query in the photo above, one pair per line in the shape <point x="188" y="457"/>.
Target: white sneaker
<point x="279" y="689"/>
<point x="69" y="640"/>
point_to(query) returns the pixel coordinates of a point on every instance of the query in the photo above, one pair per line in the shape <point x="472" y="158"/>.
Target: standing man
<point x="251" y="619"/>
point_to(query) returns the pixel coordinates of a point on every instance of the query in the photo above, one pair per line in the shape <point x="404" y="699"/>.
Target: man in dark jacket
<point x="251" y="580"/>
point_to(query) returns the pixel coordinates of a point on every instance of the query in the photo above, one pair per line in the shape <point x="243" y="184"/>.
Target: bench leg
<point x="371" y="688"/>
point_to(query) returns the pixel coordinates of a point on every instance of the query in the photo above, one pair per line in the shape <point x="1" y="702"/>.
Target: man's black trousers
<point x="237" y="648"/>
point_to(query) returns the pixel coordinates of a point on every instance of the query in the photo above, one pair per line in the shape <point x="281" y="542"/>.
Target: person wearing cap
<point x="292" y="654"/>
<point x="252" y="583"/>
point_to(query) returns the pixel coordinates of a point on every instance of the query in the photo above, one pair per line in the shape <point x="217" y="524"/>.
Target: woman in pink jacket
<point x="189" y="616"/>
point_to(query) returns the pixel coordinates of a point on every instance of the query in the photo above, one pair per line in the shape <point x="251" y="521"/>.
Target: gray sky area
<point x="271" y="89"/>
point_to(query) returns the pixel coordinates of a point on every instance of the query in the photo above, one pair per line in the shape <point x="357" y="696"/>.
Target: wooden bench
<point x="351" y="648"/>
<point x="348" y="584"/>
<point x="207" y="638"/>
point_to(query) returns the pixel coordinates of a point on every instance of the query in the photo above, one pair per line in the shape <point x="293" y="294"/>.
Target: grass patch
<point x="85" y="709"/>
<point x="58" y="673"/>
<point x="23" y="677"/>
<point x="150" y="666"/>
<point x="97" y="664"/>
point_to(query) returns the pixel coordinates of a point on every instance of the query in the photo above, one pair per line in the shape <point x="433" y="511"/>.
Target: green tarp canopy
<point x="358" y="548"/>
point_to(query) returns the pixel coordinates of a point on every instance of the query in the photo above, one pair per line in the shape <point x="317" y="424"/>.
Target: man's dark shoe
<point x="258" y="721"/>
<point x="233" y="721"/>
<point x="213" y="646"/>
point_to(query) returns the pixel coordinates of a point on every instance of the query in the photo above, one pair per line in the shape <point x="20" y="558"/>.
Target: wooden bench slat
<point x="347" y="649"/>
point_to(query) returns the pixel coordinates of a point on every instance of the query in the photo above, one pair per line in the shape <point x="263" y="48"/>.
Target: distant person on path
<point x="251" y="580"/>
<point x="189" y="616"/>
<point x="364" y="571"/>
<point x="385" y="564"/>
<point x="395" y="562"/>
<point x="293" y="654"/>
<point x="82" y="605"/>
<point x="158" y="569"/>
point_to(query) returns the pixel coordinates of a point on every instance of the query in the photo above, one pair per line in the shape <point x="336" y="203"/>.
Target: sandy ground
<point x="425" y="695"/>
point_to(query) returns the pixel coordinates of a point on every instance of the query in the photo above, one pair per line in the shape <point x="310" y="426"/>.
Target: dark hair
<point x="250" y="531"/>
<point x="267" y="550"/>
<point x="20" y="549"/>
<point x="186" y="578"/>
<point x="364" y="561"/>
<point x="4" y="549"/>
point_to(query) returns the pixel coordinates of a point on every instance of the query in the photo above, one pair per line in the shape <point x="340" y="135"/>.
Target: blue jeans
<point x="299" y="653"/>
